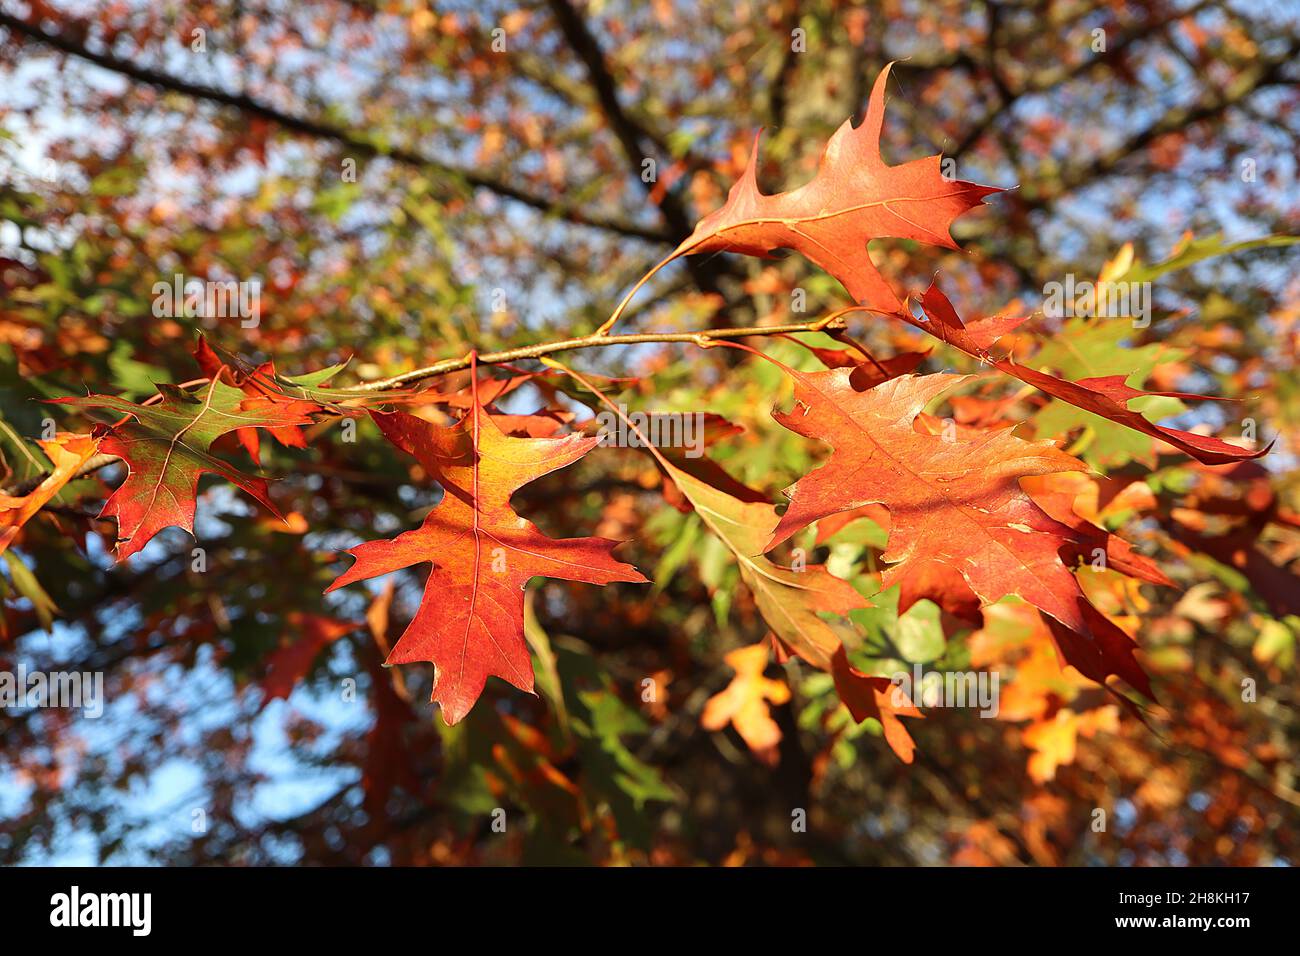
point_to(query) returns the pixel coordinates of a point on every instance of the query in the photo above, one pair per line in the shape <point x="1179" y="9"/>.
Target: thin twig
<point x="834" y="320"/>
<point x="26" y="487"/>
<point x="599" y="340"/>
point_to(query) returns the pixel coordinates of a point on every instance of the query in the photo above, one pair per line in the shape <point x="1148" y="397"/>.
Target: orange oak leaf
<point x="867" y="371"/>
<point x="1054" y="739"/>
<point x="956" y="503"/>
<point x="791" y="600"/>
<point x="67" y="452"/>
<point x="877" y="697"/>
<point x="744" y="702"/>
<point x="166" y="450"/>
<point x="854" y="198"/>
<point x="471" y="618"/>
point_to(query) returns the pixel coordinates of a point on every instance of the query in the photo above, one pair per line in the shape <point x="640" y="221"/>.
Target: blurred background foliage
<point x="512" y="195"/>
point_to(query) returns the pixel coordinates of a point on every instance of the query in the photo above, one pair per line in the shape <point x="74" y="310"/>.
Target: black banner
<point x="336" y="905"/>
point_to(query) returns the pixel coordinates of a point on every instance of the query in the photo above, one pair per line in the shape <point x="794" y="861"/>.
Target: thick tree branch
<point x="310" y="127"/>
<point x="631" y="136"/>
<point x="1268" y="72"/>
<point x="1054" y="78"/>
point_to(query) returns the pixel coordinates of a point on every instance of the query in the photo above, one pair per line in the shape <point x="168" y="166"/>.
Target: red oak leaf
<point x="166" y="449"/>
<point x="1107" y="396"/>
<point x="854" y="198"/>
<point x="470" y="621"/>
<point x="956" y="503"/>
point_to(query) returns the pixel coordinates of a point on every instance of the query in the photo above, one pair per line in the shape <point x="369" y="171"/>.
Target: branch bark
<point x="600" y="340"/>
<point x="1267" y="73"/>
<point x="701" y="338"/>
<point x="630" y="135"/>
<point x="359" y="144"/>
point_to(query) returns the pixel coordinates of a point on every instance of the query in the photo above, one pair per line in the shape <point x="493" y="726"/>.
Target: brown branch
<point x="1267" y="73"/>
<point x="1052" y="79"/>
<point x="310" y="127"/>
<point x="599" y="340"/>
<point x="835" y="320"/>
<point x="631" y="135"/>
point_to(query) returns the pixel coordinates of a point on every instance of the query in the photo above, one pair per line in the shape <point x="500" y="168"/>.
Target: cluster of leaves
<point x="963" y="525"/>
